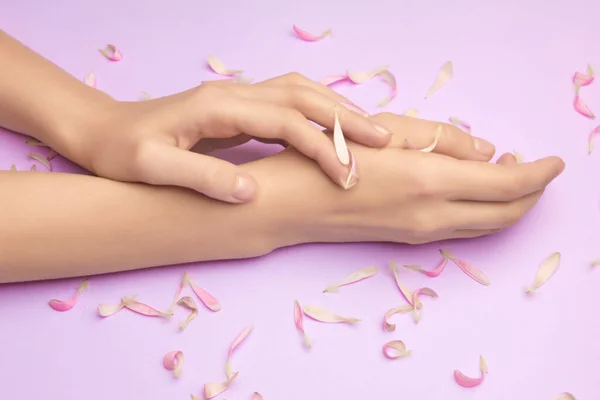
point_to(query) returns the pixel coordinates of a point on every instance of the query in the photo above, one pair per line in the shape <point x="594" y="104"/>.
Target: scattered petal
<point x="35" y="143"/>
<point x="215" y="388"/>
<point x="362" y="77"/>
<point x="33" y="168"/>
<point x="472" y="271"/>
<point x="173" y="361"/>
<point x="339" y="142"/>
<point x="219" y="67"/>
<point x="406" y="292"/>
<point x="582" y="108"/>
<point x="310" y="37"/>
<point x="144" y="309"/>
<point x="465" y="126"/>
<point x="437" y="271"/>
<point x="392" y="327"/>
<point x="234" y="345"/>
<point x="146" y="96"/>
<point x="257" y="396"/>
<point x="436" y="139"/>
<point x="13" y="167"/>
<point x="469" y="382"/>
<point x="595" y="262"/>
<point x="565" y="396"/>
<point x="545" y="272"/>
<point x="41" y="159"/>
<point x="90" y="79"/>
<point x="66" y="305"/>
<point x="580" y="79"/>
<point x="111" y="53"/>
<point x="190" y="304"/>
<point x="390" y="79"/>
<point x="51" y="155"/>
<point x="414" y="267"/>
<point x="593" y="133"/>
<point x="518" y="157"/>
<point x="413" y="113"/>
<point x="354" y="277"/>
<point x="243" y="80"/>
<point x="351" y="179"/>
<point x="206" y="298"/>
<point x="395" y="349"/>
<point x="444" y="76"/>
<point x="324" y="315"/>
<point x="299" y="321"/>
<point x="331" y="79"/>
<point x="106" y="310"/>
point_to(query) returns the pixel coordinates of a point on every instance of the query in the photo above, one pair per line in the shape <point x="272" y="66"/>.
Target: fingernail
<point x="245" y="188"/>
<point x="483" y="146"/>
<point x="381" y="129"/>
<point x="356" y="109"/>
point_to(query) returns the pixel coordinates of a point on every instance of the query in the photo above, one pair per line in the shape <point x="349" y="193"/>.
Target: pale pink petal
<point x="593" y="133"/>
<point x="33" y="168"/>
<point x="444" y="76"/>
<point x="390" y="79"/>
<point x="362" y="77"/>
<point x="595" y="262"/>
<point x="106" y="310"/>
<point x="331" y="79"/>
<point x="417" y="309"/>
<point x="472" y="271"/>
<point x="339" y="142"/>
<point x="146" y="96"/>
<point x="436" y="139"/>
<point x="90" y="79"/>
<point x="182" y="283"/>
<point x="190" y="304"/>
<point x="565" y="396"/>
<point x="299" y="321"/>
<point x="144" y="309"/>
<point x="438" y="270"/>
<point x="582" y="108"/>
<point x="41" y="159"/>
<point x="392" y="327"/>
<point x="13" y="167"/>
<point x="354" y="277"/>
<point x="257" y="396"/>
<point x="580" y="79"/>
<point x="464" y="125"/>
<point x="545" y="272"/>
<point x="395" y="349"/>
<point x="518" y="157"/>
<point x="302" y="34"/>
<point x="66" y="305"/>
<point x="111" y="53"/>
<point x="219" y="67"/>
<point x="406" y="292"/>
<point x="351" y="179"/>
<point x="234" y="345"/>
<point x="214" y="389"/>
<point x="324" y="315"/>
<point x="413" y="113"/>
<point x="35" y="143"/>
<point x="206" y="298"/>
<point x="469" y="382"/>
<point x="173" y="361"/>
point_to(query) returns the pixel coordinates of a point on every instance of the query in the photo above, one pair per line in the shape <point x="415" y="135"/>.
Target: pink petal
<point x="593" y="133"/>
<point x="331" y="79"/>
<point x="351" y="179"/>
<point x="404" y="290"/>
<point x="106" y="310"/>
<point x="66" y="305"/>
<point x="444" y="76"/>
<point x="321" y="314"/>
<point x="302" y="34"/>
<point x="362" y="77"/>
<point x="472" y="271"/>
<point x="464" y="125"/>
<point x="392" y="327"/>
<point x="206" y="298"/>
<point x="299" y="321"/>
<point x="438" y="270"/>
<point x="234" y="345"/>
<point x="582" y="108"/>
<point x="190" y="304"/>
<point x="354" y="277"/>
<point x="390" y="79"/>
<point x="173" y="361"/>
<point x="219" y="67"/>
<point x="144" y="309"/>
<point x="214" y="389"/>
<point x="469" y="382"/>
<point x="580" y="79"/>
<point x="90" y="79"/>
<point x="111" y="53"/>
<point x="395" y="349"/>
<point x="339" y="142"/>
<point x="257" y="396"/>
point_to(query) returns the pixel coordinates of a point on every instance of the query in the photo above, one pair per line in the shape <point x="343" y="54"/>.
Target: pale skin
<point x="94" y="225"/>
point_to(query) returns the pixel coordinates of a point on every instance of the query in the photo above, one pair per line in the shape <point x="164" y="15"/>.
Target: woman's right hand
<point x="410" y="196"/>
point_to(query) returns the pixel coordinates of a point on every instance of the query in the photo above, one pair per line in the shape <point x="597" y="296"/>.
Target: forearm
<point x="39" y="99"/>
<point x="61" y="225"/>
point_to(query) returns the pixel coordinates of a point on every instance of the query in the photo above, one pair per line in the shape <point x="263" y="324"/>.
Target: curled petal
<point x="206" y="298"/>
<point x="339" y="142"/>
<point x="469" y="382"/>
<point x="106" y="310"/>
<point x="190" y="304"/>
<point x="437" y="271"/>
<point x="436" y="139"/>
<point x="392" y="311"/>
<point x="351" y="179"/>
<point x="472" y="271"/>
<point x="390" y="79"/>
<point x="580" y="79"/>
<point x="362" y="77"/>
<point x="593" y="133"/>
<point x="214" y="389"/>
<point x="465" y="126"/>
<point x="354" y="277"/>
<point x="66" y="305"/>
<point x="111" y="53"/>
<point x="302" y="34"/>
<point x="395" y="349"/>
<point x="565" y="396"/>
<point x="545" y="272"/>
<point x="299" y="322"/>
<point x="582" y="108"/>
<point x="518" y="157"/>
<point x="331" y="79"/>
<point x="406" y="292"/>
<point x="90" y="79"/>
<point x="219" y="67"/>
<point x="173" y="361"/>
<point x="324" y="315"/>
<point x="144" y="309"/>
<point x="41" y="159"/>
<point x="234" y="345"/>
<point x="444" y="76"/>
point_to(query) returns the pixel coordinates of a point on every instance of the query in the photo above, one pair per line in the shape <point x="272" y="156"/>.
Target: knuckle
<point x="294" y="78"/>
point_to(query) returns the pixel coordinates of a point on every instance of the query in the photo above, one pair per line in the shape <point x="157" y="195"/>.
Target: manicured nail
<point x="483" y="146"/>
<point x="381" y="129"/>
<point x="356" y="109"/>
<point x="245" y="188"/>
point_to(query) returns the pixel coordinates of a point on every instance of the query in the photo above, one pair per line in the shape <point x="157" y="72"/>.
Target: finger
<point x="167" y="165"/>
<point x="507" y="159"/>
<point x="453" y="142"/>
<point x="320" y="109"/>
<point x="490" y="215"/>
<point x="470" y="180"/>
<point x="472" y="233"/>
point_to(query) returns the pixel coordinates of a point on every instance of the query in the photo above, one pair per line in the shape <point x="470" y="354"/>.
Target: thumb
<point x="221" y="180"/>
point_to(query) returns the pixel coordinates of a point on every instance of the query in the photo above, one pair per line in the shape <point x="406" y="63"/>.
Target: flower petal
<point x="444" y="76"/>
<point x="464" y="125"/>
<point x="582" y="108"/>
<point x="390" y="79"/>
<point x="395" y="349"/>
<point x="392" y="311"/>
<point x="437" y="271"/>
<point x="299" y="322"/>
<point x="545" y="272"/>
<point x="206" y="298"/>
<point x="146" y="96"/>
<point x="66" y="305"/>
<point x="173" y="361"/>
<point x="234" y="345"/>
<point x="483" y="365"/>
<point x="339" y="142"/>
<point x="595" y="262"/>
<point x="518" y="157"/>
<point x="362" y="77"/>
<point x="331" y="79"/>
<point x="324" y="315"/>
<point x="257" y="396"/>
<point x="219" y="67"/>
<point x="309" y="37"/>
<point x="406" y="292"/>
<point x="351" y="179"/>
<point x="90" y="79"/>
<point x="190" y="304"/>
<point x="106" y="310"/>
<point x="354" y="277"/>
<point x="144" y="309"/>
<point x="593" y="133"/>
<point x="436" y="139"/>
<point x="111" y="53"/>
<point x="214" y="389"/>
<point x="565" y="396"/>
<point x="41" y="159"/>
<point x="469" y="382"/>
<point x="472" y="271"/>
<point x="413" y="113"/>
<point x="13" y="167"/>
<point x="580" y="79"/>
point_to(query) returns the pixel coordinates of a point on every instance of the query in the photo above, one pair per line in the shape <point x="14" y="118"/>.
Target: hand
<point x="149" y="141"/>
<point x="413" y="197"/>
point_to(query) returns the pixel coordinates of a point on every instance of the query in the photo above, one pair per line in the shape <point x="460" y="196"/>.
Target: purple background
<point x="513" y="62"/>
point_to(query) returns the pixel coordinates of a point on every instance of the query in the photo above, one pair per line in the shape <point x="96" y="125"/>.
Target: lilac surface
<point x="513" y="63"/>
